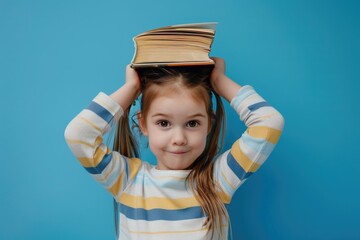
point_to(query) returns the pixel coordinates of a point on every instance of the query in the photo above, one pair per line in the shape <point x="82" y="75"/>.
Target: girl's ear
<point x="142" y="124"/>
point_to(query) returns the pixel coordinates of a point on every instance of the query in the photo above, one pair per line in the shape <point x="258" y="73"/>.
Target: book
<point x="176" y="45"/>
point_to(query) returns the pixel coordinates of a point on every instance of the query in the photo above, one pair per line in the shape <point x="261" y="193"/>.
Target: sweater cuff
<point x="109" y="104"/>
<point x="243" y="93"/>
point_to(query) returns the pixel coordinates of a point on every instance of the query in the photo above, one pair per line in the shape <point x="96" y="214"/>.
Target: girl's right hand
<point x="132" y="78"/>
<point x="128" y="92"/>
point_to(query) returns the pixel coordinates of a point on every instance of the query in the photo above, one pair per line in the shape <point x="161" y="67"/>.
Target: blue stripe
<point x="101" y="166"/>
<point x="161" y="214"/>
<point x="126" y="167"/>
<point x="100" y="111"/>
<point x="236" y="168"/>
<point x="258" y="105"/>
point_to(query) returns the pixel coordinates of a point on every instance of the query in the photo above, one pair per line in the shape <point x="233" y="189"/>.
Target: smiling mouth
<point x="179" y="152"/>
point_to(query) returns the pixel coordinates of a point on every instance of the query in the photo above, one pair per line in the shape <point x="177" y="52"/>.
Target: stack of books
<point x="177" y="45"/>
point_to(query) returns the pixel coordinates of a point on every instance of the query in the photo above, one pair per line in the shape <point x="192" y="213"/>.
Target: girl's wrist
<point x="216" y="82"/>
<point x="133" y="90"/>
<point x="132" y="86"/>
<point x="226" y="87"/>
<point x="126" y="94"/>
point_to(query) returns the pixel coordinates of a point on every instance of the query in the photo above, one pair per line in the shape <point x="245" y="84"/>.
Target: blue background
<point x="302" y="56"/>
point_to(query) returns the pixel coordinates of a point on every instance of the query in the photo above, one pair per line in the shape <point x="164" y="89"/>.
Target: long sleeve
<point x="249" y="152"/>
<point x="84" y="136"/>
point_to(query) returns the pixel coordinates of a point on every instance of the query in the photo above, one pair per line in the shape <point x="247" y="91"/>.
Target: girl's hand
<point x="132" y="78"/>
<point x="223" y="85"/>
<point x="128" y="92"/>
<point x="217" y="73"/>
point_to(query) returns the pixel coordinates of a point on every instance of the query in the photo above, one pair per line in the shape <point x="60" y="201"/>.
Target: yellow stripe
<point x="90" y="123"/>
<point x="79" y="142"/>
<point x="98" y="140"/>
<point x="270" y="134"/>
<point x="225" y="198"/>
<point x="242" y="159"/>
<point x="93" y="162"/>
<point x="134" y="165"/>
<point x="157" y="202"/>
<point x="115" y="188"/>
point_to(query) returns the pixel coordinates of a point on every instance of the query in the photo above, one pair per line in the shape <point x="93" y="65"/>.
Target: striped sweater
<point x="156" y="204"/>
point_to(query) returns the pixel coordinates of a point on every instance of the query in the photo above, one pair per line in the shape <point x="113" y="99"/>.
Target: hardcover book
<point x="177" y="45"/>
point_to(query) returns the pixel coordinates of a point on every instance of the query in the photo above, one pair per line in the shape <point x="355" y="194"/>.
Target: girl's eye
<point x="192" y="124"/>
<point x="163" y="123"/>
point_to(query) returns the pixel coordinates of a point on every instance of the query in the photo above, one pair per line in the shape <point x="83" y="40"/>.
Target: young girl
<point x="185" y="194"/>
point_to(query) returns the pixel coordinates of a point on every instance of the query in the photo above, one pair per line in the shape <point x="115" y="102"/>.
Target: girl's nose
<point x="179" y="137"/>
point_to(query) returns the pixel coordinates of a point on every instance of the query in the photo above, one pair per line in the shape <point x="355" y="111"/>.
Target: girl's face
<point x="176" y="125"/>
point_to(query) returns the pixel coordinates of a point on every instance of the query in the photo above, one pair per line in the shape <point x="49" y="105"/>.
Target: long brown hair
<point x="200" y="178"/>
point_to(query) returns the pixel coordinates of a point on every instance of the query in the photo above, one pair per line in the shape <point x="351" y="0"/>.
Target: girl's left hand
<point x="221" y="84"/>
<point x="217" y="73"/>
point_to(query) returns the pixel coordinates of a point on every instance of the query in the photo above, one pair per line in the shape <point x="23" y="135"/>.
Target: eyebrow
<point x="167" y="115"/>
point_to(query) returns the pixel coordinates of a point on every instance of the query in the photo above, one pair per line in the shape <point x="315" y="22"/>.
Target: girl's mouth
<point x="178" y="152"/>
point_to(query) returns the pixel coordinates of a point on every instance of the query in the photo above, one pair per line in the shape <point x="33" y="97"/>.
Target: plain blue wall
<point x="302" y="56"/>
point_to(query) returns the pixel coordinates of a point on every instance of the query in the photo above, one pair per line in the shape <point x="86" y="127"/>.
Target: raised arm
<point x="84" y="136"/>
<point x="264" y="127"/>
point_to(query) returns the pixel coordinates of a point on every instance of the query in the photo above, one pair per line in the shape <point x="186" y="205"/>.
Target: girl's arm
<point x="223" y="85"/>
<point x="84" y="136"/>
<point x="264" y="127"/>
